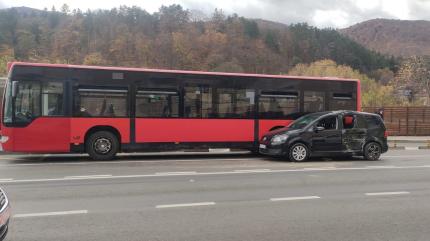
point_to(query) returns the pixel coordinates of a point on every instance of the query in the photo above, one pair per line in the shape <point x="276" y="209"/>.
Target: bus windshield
<point x="32" y="99"/>
<point x="7" y="115"/>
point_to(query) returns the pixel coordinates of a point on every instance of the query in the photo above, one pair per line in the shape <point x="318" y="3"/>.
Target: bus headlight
<point x="279" y="139"/>
<point x="4" y="139"/>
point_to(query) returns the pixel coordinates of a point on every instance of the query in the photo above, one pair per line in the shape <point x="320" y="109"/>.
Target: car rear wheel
<point x="299" y="152"/>
<point x="102" y="145"/>
<point x="372" y="151"/>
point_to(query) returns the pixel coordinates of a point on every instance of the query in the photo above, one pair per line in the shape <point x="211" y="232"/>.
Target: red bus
<point x="56" y="108"/>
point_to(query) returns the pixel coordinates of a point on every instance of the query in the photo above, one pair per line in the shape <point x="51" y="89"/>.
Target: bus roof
<point x="10" y="65"/>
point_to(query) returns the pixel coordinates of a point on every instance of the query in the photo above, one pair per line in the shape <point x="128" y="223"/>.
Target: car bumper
<point x="4" y="222"/>
<point x="271" y="151"/>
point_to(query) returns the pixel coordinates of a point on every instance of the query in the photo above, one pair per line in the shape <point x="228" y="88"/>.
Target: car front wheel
<point x="372" y="151"/>
<point x="299" y="152"/>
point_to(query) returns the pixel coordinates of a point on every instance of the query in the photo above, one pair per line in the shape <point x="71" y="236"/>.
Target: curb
<point x="396" y="148"/>
<point x="409" y="141"/>
<point x="409" y="148"/>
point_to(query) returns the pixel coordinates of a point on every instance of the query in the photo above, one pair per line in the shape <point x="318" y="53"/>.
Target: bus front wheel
<point x="102" y="145"/>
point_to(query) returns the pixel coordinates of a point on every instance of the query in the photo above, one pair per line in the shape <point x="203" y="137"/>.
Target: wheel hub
<point x="299" y="153"/>
<point x="374" y="151"/>
<point x="102" y="145"/>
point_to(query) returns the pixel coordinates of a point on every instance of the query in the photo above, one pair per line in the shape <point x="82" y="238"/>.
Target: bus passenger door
<point x="39" y="114"/>
<point x="209" y="116"/>
<point x="276" y="109"/>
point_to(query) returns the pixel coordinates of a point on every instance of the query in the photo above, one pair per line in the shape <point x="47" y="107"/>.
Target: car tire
<point x="102" y="145"/>
<point x="299" y="152"/>
<point x="372" y="151"/>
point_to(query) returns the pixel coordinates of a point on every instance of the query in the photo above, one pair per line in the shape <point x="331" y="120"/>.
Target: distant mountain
<point x="171" y="39"/>
<point x="394" y="37"/>
<point x="23" y="11"/>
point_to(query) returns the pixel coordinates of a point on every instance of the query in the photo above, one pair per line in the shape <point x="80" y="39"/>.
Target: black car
<point x="4" y="214"/>
<point x="331" y="133"/>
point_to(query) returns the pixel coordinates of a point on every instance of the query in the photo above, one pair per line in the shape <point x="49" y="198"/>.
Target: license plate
<point x="262" y="146"/>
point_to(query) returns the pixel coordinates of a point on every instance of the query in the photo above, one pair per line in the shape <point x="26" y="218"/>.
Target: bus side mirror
<point x="14" y="88"/>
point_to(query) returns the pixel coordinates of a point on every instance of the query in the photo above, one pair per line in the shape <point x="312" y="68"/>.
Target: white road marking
<point x="386" y="193"/>
<point x="319" y="168"/>
<point x="253" y="170"/>
<point x="11" y="158"/>
<point x="381" y="166"/>
<point x="6" y="179"/>
<point x="412" y="148"/>
<point x="219" y="150"/>
<point x="185" y="205"/>
<point x="124" y="162"/>
<point x="404" y="156"/>
<point x="214" y="173"/>
<point x="28" y="215"/>
<point x="293" y="198"/>
<point x="88" y="176"/>
<point x="174" y="173"/>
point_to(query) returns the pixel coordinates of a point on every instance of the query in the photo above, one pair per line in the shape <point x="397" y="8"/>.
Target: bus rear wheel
<point x="102" y="145"/>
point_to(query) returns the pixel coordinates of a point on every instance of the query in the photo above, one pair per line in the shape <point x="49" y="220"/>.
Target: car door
<point x="329" y="139"/>
<point x="354" y="132"/>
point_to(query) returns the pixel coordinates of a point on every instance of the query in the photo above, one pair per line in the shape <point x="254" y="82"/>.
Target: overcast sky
<point x="321" y="13"/>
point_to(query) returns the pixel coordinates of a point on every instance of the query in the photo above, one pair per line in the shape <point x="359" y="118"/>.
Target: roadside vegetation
<point x="176" y="38"/>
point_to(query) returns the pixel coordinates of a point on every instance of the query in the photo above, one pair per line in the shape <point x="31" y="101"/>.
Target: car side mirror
<point x="319" y="128"/>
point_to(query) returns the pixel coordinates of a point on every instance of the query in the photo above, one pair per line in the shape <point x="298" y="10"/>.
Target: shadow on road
<point x="167" y="157"/>
<point x="70" y="158"/>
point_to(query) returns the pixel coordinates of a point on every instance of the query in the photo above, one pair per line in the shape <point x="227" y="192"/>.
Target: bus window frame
<point x="100" y="89"/>
<point x="167" y="91"/>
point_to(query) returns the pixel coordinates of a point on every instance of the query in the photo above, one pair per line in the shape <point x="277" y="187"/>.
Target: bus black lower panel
<point x="171" y="146"/>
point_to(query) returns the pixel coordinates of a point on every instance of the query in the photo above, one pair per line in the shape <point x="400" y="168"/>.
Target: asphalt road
<point x="218" y="197"/>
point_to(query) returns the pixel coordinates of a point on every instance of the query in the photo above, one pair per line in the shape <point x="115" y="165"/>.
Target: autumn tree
<point x="25" y="45"/>
<point x="176" y="38"/>
<point x="6" y="55"/>
<point x="172" y="18"/>
<point x="413" y="78"/>
<point x="94" y="59"/>
<point x="373" y="94"/>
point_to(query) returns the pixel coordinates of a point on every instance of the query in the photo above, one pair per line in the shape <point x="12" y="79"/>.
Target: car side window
<point x="348" y="121"/>
<point x="361" y="122"/>
<point x="373" y="122"/>
<point x="329" y="123"/>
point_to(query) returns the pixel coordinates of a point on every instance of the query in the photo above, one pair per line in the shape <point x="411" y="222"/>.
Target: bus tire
<point x="102" y="145"/>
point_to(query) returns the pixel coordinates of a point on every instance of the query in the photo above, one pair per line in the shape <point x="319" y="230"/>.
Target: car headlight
<point x="279" y="139"/>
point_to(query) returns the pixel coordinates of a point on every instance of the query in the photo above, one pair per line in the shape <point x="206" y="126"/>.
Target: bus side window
<point x="198" y="102"/>
<point x="157" y="103"/>
<point x="101" y="103"/>
<point x="52" y="99"/>
<point x="314" y="101"/>
<point x="235" y="103"/>
<point x="342" y="101"/>
<point x="278" y="105"/>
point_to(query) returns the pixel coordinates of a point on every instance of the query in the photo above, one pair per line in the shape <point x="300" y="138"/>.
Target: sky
<point x="320" y="13"/>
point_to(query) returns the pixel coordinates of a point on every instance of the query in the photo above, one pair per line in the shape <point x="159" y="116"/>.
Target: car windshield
<point x="304" y="121"/>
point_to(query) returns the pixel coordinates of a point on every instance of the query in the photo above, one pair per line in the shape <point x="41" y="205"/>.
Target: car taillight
<point x="385" y="134"/>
